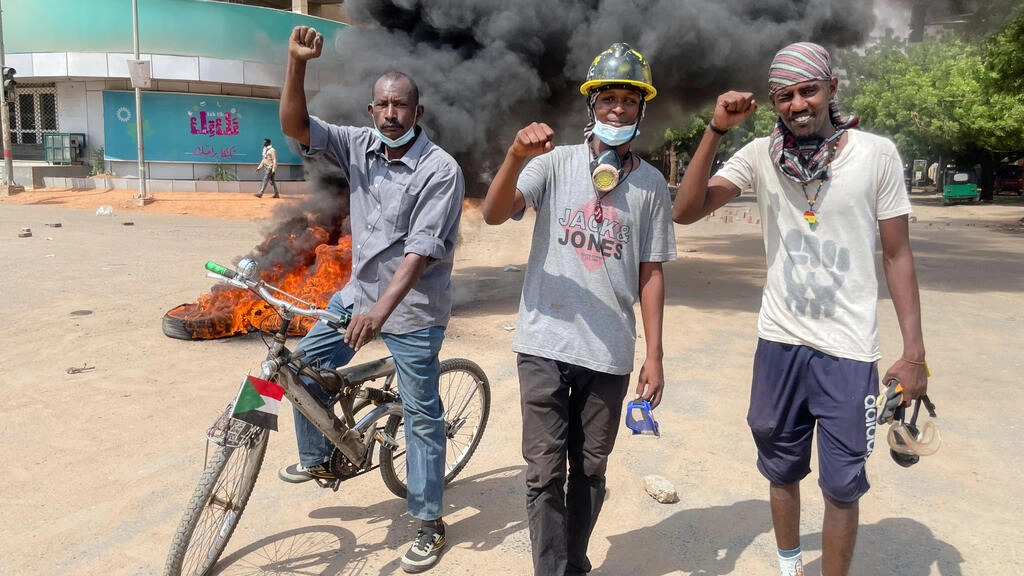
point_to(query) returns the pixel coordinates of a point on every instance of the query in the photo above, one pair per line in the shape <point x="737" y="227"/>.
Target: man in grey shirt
<point x="405" y="201"/>
<point x="603" y="230"/>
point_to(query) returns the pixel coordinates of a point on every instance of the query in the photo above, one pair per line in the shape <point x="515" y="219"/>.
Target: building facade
<point x="217" y="70"/>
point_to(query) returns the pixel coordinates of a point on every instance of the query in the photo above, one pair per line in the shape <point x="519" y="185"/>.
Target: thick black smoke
<point x="488" y="67"/>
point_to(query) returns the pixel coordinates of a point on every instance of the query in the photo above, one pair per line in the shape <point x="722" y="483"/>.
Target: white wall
<point x="73" y="112"/>
<point x="57" y="66"/>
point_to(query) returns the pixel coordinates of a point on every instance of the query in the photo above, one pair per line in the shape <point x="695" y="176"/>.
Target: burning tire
<point x="184" y="323"/>
<point x="228" y="311"/>
<point x="191" y="322"/>
<point x="175" y="327"/>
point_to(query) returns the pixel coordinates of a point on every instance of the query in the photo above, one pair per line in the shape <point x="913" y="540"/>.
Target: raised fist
<point x="535" y="139"/>
<point x="305" y="43"/>
<point x="733" y="108"/>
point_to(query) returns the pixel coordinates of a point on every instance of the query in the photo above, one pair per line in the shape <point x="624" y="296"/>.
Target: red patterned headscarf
<point x="796" y="63"/>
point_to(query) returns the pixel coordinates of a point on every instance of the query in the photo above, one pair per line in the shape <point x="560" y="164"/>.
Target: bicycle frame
<point x="229" y="476"/>
<point x="352" y="439"/>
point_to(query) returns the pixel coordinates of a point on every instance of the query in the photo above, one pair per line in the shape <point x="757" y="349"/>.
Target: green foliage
<point x="959" y="96"/>
<point x="943" y="97"/>
<point x="98" y="165"/>
<point x="906" y="92"/>
<point x="224" y="173"/>
<point x="685" y="137"/>
<point x="989" y="16"/>
<point x="1004" y="55"/>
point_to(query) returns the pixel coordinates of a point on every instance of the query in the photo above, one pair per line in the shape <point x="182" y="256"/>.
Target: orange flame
<point x="228" y="311"/>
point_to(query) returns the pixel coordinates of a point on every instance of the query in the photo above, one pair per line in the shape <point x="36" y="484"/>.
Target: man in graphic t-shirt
<point x="823" y="191"/>
<point x="603" y="229"/>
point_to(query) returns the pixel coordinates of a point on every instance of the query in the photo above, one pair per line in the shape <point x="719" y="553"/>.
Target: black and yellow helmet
<point x="620" y="64"/>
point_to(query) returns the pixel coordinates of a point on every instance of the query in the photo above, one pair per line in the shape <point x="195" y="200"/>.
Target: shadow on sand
<point x="330" y="549"/>
<point x="704" y="541"/>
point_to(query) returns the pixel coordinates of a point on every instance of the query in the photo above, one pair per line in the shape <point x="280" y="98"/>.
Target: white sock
<point x="791" y="562"/>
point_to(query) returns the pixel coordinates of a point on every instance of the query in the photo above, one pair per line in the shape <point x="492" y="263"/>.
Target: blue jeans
<point x="418" y="369"/>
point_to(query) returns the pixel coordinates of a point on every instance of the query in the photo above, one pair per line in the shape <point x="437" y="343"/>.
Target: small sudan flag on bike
<point x="257" y="403"/>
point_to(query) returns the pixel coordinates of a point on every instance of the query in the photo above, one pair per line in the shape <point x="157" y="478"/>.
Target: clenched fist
<point x="535" y="139"/>
<point x="733" y="108"/>
<point x="305" y="43"/>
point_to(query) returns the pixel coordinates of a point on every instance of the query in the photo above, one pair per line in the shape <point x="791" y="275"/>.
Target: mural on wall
<point x="193" y="128"/>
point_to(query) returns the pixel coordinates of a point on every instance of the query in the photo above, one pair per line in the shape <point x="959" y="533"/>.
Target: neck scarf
<point x="803" y="162"/>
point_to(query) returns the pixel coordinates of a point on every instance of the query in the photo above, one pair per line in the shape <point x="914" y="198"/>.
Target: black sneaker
<point x="297" y="473"/>
<point x="258" y="194"/>
<point x="425" y="550"/>
<point x="321" y="471"/>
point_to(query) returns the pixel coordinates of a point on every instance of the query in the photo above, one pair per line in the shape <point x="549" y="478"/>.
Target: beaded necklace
<point x="810" y="215"/>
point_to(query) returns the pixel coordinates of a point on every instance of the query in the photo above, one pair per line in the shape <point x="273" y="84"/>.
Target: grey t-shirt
<point x="583" y="276"/>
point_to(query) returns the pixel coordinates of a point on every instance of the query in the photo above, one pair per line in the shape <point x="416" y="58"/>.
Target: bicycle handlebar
<point x="220" y="270"/>
<point x="263" y="290"/>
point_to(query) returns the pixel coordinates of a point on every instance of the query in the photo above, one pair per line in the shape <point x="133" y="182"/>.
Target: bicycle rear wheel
<point x="216" y="506"/>
<point x="466" y="396"/>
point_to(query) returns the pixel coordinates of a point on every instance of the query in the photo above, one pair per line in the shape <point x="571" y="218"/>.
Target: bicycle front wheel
<point x="216" y="506"/>
<point x="466" y="396"/>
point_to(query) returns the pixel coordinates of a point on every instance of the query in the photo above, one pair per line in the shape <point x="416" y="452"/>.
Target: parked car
<point x="1009" y="179"/>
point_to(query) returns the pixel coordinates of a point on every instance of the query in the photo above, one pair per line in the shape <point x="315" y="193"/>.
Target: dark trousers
<point x="571" y="415"/>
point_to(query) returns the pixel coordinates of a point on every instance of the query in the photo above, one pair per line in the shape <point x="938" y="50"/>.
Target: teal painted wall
<point x="178" y="27"/>
<point x="193" y="128"/>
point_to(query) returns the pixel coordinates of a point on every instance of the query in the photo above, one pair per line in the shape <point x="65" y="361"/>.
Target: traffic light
<point x="9" y="82"/>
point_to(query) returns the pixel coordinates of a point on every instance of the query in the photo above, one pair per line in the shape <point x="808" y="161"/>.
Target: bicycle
<point x="229" y="476"/>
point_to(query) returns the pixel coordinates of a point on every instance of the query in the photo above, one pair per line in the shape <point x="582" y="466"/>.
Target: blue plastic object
<point x="639" y="418"/>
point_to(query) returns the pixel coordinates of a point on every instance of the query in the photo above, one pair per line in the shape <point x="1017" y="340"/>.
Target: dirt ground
<point x="103" y="426"/>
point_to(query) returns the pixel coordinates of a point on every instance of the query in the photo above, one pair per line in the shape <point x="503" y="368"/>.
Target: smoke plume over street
<point x="488" y="67"/>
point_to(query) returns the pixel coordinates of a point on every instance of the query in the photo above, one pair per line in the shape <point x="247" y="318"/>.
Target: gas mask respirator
<point x="606" y="170"/>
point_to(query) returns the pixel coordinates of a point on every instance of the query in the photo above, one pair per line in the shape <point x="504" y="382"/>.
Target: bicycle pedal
<point x="332" y="484"/>
<point x="386" y="440"/>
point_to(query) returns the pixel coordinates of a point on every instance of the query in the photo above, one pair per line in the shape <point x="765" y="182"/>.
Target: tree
<point x="686" y="137"/>
<point x="946" y="97"/>
<point x="1004" y="56"/>
<point x="901" y="91"/>
<point x="989" y="16"/>
<point x="959" y="97"/>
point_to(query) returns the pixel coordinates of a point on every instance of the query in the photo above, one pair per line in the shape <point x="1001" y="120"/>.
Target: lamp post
<point x="142" y="199"/>
<point x="9" y="187"/>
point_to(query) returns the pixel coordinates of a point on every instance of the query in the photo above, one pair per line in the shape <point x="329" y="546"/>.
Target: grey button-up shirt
<point x="397" y="207"/>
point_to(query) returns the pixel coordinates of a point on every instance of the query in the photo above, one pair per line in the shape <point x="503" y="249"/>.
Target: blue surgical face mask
<point x="612" y="135"/>
<point x="401" y="141"/>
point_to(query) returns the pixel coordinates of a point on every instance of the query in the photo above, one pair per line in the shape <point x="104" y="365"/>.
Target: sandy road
<point x="99" y="463"/>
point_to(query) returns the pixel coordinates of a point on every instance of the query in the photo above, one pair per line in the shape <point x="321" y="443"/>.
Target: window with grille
<point x="34" y="112"/>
